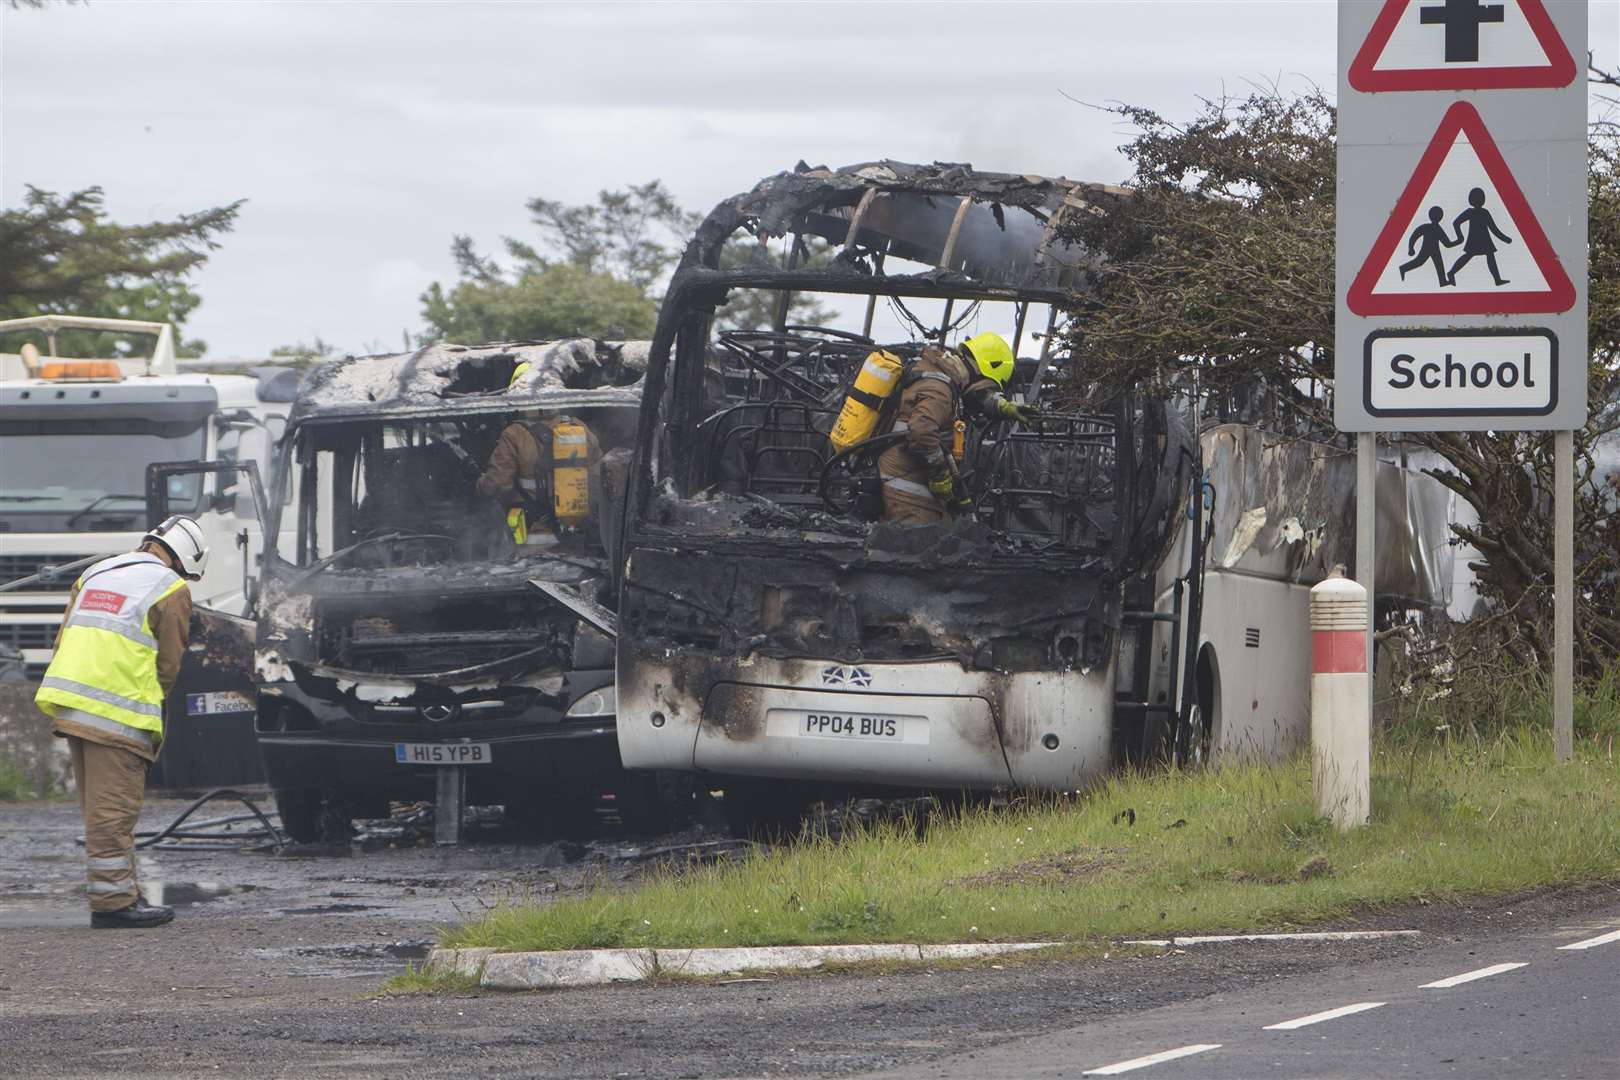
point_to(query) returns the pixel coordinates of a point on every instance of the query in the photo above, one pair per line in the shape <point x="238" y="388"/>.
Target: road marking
<point x="1601" y="939"/>
<point x="1469" y="976"/>
<point x="1152" y="1059"/>
<point x="1320" y="935"/>
<point x="1331" y="1014"/>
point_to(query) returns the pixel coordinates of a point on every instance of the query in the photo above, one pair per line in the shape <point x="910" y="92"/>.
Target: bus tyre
<point x="770" y="812"/>
<point x="650" y="803"/>
<point x="1193" y="737"/>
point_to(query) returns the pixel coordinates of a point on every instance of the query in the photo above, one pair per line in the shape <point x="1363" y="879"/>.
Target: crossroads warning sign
<point x="1462" y="45"/>
<point x="1462" y="239"/>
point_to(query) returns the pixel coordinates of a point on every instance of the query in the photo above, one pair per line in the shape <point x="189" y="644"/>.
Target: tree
<point x="551" y="302"/>
<point x="597" y="269"/>
<point x="634" y="235"/>
<point x="1219" y="263"/>
<point x="59" y="254"/>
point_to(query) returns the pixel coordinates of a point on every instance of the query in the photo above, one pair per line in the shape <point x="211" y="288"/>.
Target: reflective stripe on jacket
<point x="927" y="414"/>
<point x="106" y="662"/>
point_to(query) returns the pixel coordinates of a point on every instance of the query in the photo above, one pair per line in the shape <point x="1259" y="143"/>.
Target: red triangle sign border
<point x="1559" y="294"/>
<point x="1558" y="71"/>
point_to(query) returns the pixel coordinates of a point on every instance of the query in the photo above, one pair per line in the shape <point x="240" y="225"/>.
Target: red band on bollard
<point x="1336" y="652"/>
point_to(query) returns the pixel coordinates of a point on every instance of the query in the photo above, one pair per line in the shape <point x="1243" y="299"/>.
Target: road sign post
<point x="1460" y="242"/>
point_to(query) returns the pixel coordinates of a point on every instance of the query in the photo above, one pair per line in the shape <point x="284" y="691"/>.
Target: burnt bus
<point x="399" y="629"/>
<point x="778" y="638"/>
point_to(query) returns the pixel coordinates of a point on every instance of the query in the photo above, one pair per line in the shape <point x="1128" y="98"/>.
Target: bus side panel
<point x="1259" y="632"/>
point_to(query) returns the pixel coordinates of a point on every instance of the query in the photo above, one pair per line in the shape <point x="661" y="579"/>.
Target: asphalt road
<point x="273" y="965"/>
<point x="1543" y="1003"/>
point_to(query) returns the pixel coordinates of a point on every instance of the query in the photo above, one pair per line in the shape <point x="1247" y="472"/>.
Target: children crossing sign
<point x="1462" y="239"/>
<point x="1461" y="216"/>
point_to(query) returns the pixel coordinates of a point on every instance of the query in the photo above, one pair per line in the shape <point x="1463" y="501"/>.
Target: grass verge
<point x="419" y="980"/>
<point x="1227" y="849"/>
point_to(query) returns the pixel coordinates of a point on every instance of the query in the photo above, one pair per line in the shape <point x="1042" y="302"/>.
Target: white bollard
<point x="1341" y="735"/>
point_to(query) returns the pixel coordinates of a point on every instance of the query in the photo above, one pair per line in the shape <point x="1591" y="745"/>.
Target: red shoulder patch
<point x="102" y="600"/>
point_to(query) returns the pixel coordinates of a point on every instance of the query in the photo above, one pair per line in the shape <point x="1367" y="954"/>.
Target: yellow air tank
<point x="858" y="419"/>
<point x="570" y="483"/>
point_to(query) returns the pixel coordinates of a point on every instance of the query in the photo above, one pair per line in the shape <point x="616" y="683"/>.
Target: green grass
<point x="419" y="980"/>
<point x="1235" y="848"/>
<point x="15" y="785"/>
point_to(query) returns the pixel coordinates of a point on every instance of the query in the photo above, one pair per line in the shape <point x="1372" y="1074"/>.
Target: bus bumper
<point x="926" y="724"/>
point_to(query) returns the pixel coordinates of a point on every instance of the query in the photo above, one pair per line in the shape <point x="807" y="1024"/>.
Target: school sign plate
<point x="1461" y="221"/>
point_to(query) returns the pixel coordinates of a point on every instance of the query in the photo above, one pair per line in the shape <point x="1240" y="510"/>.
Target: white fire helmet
<point x="182" y="538"/>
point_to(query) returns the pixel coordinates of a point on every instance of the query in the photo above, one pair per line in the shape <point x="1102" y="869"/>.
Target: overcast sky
<point x="364" y="134"/>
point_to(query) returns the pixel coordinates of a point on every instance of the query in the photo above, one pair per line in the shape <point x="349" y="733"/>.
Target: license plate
<point x="435" y="753"/>
<point x="834" y="725"/>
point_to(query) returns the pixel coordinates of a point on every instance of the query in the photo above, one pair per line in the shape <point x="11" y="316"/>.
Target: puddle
<point x="416" y="949"/>
<point x="183" y="893"/>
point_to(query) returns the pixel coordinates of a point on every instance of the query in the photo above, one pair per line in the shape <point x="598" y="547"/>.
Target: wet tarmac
<point x="362" y="908"/>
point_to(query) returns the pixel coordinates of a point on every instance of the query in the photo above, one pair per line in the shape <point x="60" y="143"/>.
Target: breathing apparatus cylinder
<point x="863" y="408"/>
<point x="570" y="482"/>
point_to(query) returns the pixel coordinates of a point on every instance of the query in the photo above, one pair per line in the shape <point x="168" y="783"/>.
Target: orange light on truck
<point x="82" y="369"/>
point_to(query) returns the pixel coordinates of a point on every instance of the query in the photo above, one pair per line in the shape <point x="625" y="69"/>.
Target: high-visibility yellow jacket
<point x="104" y="676"/>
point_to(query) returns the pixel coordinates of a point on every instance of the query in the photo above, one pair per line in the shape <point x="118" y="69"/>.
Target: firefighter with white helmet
<point x="920" y="480"/>
<point x="118" y="654"/>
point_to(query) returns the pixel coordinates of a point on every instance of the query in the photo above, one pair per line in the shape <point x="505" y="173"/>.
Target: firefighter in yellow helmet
<point x="920" y="480"/>
<point x="127" y="627"/>
<point x="538" y="472"/>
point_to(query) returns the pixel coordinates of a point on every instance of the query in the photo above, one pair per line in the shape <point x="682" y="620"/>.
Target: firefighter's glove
<point x="947" y="488"/>
<point x="1016" y="412"/>
<point x="942" y="486"/>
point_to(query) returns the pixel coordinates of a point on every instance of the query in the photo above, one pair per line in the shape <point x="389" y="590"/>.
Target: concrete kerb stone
<point x="598" y="967"/>
<point x="576" y="967"/>
<point x="465" y="962"/>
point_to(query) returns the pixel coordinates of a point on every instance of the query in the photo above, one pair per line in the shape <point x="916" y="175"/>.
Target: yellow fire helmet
<point x="518" y="373"/>
<point x="992" y="355"/>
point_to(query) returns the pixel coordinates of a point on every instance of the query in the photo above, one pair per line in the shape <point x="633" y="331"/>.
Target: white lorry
<point x="76" y="438"/>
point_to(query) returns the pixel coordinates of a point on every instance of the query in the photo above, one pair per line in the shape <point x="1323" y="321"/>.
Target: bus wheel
<point x="1193" y="739"/>
<point x="653" y="803"/>
<point x="769" y="812"/>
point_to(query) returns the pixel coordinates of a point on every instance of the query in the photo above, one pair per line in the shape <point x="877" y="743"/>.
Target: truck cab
<point x="77" y="436"/>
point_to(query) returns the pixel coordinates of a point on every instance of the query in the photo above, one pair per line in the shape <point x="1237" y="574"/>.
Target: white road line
<point x="1331" y="1014"/>
<point x="1152" y="1059"/>
<point x="1469" y="976"/>
<point x="1601" y="939"/>
<point x="1320" y="935"/>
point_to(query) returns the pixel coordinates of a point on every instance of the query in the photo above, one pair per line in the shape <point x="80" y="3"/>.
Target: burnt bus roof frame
<point x="790" y="202"/>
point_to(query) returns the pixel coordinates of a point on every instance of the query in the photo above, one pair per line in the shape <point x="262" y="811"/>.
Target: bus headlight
<point x="597" y="703"/>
